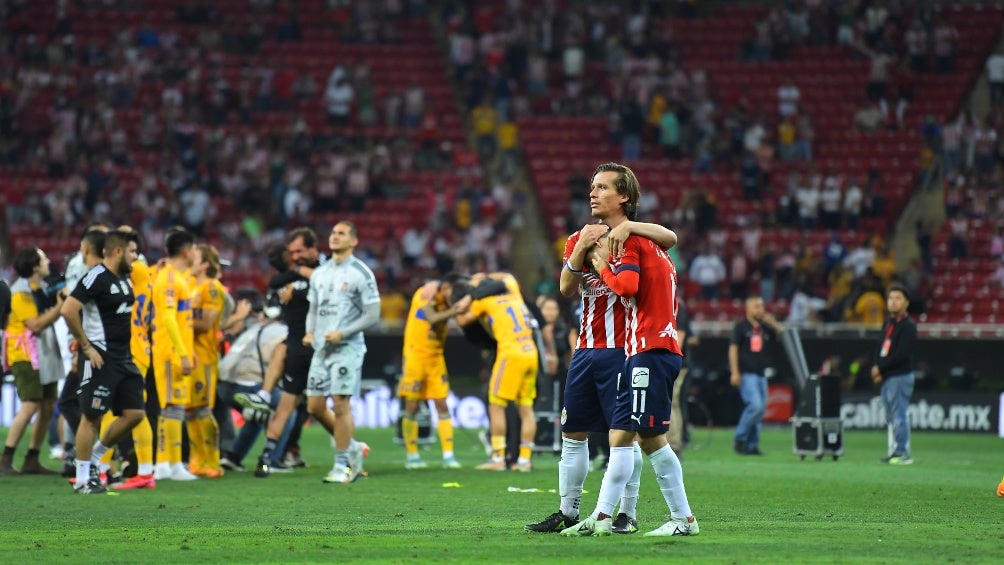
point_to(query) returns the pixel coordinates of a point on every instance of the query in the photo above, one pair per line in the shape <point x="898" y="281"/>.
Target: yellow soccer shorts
<point x="173" y="388"/>
<point x="424" y="378"/>
<point x="203" y="385"/>
<point x="514" y="379"/>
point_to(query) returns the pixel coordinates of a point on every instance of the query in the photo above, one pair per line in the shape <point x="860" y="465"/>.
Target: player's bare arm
<point x="661" y="235"/>
<point x="571" y="272"/>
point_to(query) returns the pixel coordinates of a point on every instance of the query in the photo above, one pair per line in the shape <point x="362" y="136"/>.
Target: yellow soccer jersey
<point x="142" y="311"/>
<point x="421" y="337"/>
<point x="22" y="307"/>
<point x="172" y="296"/>
<point x="209" y="296"/>
<point x="508" y="319"/>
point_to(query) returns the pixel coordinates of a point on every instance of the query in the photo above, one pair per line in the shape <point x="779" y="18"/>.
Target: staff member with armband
<point x="893" y="370"/>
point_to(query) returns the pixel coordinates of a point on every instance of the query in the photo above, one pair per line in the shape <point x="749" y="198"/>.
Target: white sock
<point x="448" y="455"/>
<point x="669" y="475"/>
<point x="619" y="468"/>
<point x="98" y="452"/>
<point x="144" y="469"/>
<point x="572" y="470"/>
<point x="629" y="502"/>
<point x="83" y="471"/>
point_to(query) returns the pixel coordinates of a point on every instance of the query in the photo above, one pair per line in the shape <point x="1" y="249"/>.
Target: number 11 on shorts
<point x="638" y="400"/>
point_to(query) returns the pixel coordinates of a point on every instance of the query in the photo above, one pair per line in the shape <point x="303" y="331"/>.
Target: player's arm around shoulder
<point x="618" y="236"/>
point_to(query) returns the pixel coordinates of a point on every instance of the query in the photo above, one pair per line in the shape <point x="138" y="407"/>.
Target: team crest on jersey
<point x="345" y="287"/>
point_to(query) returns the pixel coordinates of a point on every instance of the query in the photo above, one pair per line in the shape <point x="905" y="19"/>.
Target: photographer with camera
<point x="243" y="370"/>
<point x="31" y="349"/>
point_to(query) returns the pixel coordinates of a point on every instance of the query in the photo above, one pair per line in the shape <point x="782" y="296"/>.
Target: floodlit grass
<point x="772" y="509"/>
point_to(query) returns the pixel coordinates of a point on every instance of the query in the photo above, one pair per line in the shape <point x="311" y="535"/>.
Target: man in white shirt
<point x="707" y="270"/>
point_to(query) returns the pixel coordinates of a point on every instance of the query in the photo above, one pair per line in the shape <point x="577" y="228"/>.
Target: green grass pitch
<point x="772" y="509"/>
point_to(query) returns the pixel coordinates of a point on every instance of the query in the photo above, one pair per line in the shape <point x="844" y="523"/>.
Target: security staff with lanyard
<point x="893" y="369"/>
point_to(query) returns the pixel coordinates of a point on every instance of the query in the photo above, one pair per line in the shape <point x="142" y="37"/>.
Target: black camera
<point x="52" y="285"/>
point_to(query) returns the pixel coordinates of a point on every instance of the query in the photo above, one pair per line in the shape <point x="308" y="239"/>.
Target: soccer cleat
<point x="90" y="487"/>
<point x="358" y="452"/>
<point x="206" y="472"/>
<point x="180" y="473"/>
<point x="1000" y="489"/>
<point x="136" y="482"/>
<point x="897" y="459"/>
<point x="231" y="465"/>
<point x="339" y="476"/>
<point x="552" y="524"/>
<point x="524" y="467"/>
<point x="253" y="401"/>
<point x="56" y="452"/>
<point x="414" y="463"/>
<point x="162" y="471"/>
<point x="590" y="527"/>
<point x="451" y="463"/>
<point x="262" y="470"/>
<point x="676" y="527"/>
<point x="492" y="465"/>
<point x="624" y="525"/>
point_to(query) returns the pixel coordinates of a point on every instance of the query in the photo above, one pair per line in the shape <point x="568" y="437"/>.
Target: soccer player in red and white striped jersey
<point x="591" y="385"/>
<point x="645" y="279"/>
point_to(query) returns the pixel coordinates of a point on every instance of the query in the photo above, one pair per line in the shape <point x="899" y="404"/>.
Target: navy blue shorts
<point x="645" y="391"/>
<point x="591" y="390"/>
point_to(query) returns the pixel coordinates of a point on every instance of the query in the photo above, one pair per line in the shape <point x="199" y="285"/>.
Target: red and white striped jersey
<point x="651" y="312"/>
<point x="601" y="325"/>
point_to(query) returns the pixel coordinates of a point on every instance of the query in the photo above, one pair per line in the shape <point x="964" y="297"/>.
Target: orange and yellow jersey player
<point x="142" y="276"/>
<point x="514" y="374"/>
<point x="510" y="323"/>
<point x="173" y="344"/>
<point x="424" y="342"/>
<point x="173" y="351"/>
<point x="208" y="303"/>
<point x="424" y="376"/>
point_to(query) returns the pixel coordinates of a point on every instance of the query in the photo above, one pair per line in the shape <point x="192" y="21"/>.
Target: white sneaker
<point x="338" y="475"/>
<point x="590" y="527"/>
<point x="415" y="463"/>
<point x="180" y="473"/>
<point x="162" y="471"/>
<point x="676" y="527"/>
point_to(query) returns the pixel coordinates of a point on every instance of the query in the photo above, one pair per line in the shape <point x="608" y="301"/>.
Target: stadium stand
<point x="252" y="78"/>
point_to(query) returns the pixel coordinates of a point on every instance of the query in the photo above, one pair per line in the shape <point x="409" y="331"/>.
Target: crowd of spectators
<point x="620" y="62"/>
<point x="150" y="126"/>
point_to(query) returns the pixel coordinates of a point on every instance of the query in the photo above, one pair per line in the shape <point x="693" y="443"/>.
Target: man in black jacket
<point x="893" y="369"/>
